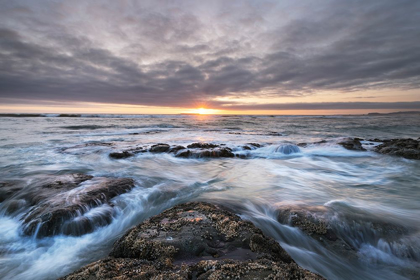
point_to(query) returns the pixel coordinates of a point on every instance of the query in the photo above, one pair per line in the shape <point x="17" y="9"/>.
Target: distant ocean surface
<point x="372" y="201"/>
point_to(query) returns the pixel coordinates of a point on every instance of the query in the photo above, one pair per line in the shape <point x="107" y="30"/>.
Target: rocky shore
<point x="407" y="148"/>
<point x="195" y="241"/>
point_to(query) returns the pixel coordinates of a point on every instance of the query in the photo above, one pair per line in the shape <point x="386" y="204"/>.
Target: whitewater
<point x="282" y="164"/>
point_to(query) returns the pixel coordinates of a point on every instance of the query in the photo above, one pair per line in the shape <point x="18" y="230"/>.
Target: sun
<point x="202" y="111"/>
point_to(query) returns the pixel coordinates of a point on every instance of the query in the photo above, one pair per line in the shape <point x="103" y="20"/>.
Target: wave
<point x="110" y="116"/>
<point x="87" y="127"/>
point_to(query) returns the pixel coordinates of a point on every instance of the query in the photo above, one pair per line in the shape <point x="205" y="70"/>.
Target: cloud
<point x="163" y="53"/>
<point x="327" y="106"/>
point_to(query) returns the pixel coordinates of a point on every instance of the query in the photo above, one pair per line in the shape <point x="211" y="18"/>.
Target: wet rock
<point x="304" y="220"/>
<point x="8" y="189"/>
<point x="121" y="155"/>
<point x="183" y="154"/>
<point x="62" y="205"/>
<point x="352" y="144"/>
<point x="159" y="148"/>
<point x="195" y="241"/>
<point x="406" y="148"/>
<point x="251" y="146"/>
<point x="304" y="145"/>
<point x="51" y="185"/>
<point x="345" y="232"/>
<point x="256" y="145"/>
<point x="176" y="149"/>
<point x="210" y="153"/>
<point x="273" y="133"/>
<point x="127" y="153"/>
<point x="194" y="150"/>
<point x="202" y="146"/>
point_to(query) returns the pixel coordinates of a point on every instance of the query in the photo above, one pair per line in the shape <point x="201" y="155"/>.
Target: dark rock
<point x="159" y="148"/>
<point x="313" y="222"/>
<point x="211" y="153"/>
<point x="202" y="146"/>
<point x="120" y="155"/>
<point x="304" y="145"/>
<point x="8" y="189"/>
<point x="242" y="156"/>
<point x="176" y="149"/>
<point x="344" y="232"/>
<point x="52" y="185"/>
<point x="127" y="153"/>
<point x="195" y="241"/>
<point x="183" y="154"/>
<point x="57" y="211"/>
<point x="304" y="220"/>
<point x="273" y="133"/>
<point x="251" y="146"/>
<point x="256" y="145"/>
<point x="407" y="148"/>
<point x="352" y="144"/>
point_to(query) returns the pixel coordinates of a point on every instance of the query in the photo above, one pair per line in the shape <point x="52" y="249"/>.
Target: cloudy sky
<point x="248" y="56"/>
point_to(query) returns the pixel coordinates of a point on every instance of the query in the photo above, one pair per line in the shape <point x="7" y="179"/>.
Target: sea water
<point x="371" y="201"/>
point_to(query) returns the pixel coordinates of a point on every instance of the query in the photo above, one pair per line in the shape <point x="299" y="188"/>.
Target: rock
<point x="127" y="153"/>
<point x="210" y="153"/>
<point x="8" y="189"/>
<point x="202" y="146"/>
<point x="176" y="149"/>
<point x="183" y="154"/>
<point x="52" y="185"/>
<point x="304" y="220"/>
<point x="159" y="148"/>
<point x="273" y="133"/>
<point x="352" y="144"/>
<point x="406" y="148"/>
<point x="304" y="145"/>
<point x="251" y="146"/>
<point x="57" y="208"/>
<point x="195" y="241"/>
<point x="194" y="150"/>
<point x="120" y="155"/>
<point x="312" y="221"/>
<point x="256" y="145"/>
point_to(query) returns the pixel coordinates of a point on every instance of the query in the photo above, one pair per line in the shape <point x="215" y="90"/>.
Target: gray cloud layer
<point x="331" y="106"/>
<point x="180" y="53"/>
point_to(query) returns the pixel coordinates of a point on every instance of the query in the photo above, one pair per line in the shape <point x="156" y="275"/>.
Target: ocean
<point x="284" y="165"/>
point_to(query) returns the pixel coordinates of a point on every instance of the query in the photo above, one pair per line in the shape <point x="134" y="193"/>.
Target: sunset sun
<point x="203" y="111"/>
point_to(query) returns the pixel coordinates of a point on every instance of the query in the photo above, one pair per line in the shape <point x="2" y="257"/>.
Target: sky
<point x="239" y="57"/>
